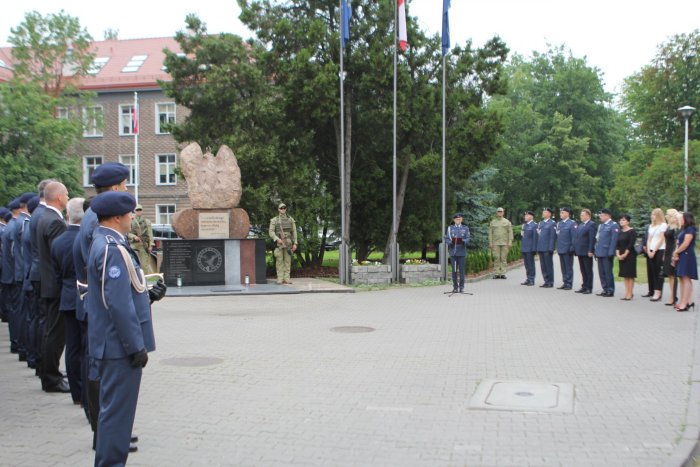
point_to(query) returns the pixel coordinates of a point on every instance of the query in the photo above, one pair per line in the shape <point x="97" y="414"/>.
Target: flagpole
<point x="443" y="245"/>
<point x="394" y="250"/>
<point x="343" y="260"/>
<point x="134" y="125"/>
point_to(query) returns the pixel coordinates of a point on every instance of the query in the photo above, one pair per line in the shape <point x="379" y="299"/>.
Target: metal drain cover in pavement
<point x="352" y="329"/>
<point x="192" y="361"/>
<point x="524" y="396"/>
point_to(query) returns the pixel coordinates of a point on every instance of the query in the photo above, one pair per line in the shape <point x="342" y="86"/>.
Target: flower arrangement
<point x="366" y="263"/>
<point x="416" y="261"/>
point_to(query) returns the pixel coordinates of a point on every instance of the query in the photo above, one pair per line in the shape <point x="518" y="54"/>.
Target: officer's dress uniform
<point x="9" y="286"/>
<point x="546" y="239"/>
<point x="565" y="250"/>
<point x="3" y="305"/>
<point x="457" y="238"/>
<point x="21" y="325"/>
<point x="120" y="326"/>
<point x="606" y="243"/>
<point x="528" y="248"/>
<point x="584" y="243"/>
<point x="500" y="238"/>
<point x="283" y="227"/>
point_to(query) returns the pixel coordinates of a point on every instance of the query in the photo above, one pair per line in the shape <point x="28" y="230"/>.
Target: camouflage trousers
<point x="500" y="259"/>
<point x="283" y="264"/>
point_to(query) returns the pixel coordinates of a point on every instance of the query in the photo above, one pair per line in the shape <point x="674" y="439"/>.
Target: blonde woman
<point x="669" y="269"/>
<point x="654" y="249"/>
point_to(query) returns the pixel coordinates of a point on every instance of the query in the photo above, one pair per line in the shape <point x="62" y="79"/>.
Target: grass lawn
<point x="330" y="257"/>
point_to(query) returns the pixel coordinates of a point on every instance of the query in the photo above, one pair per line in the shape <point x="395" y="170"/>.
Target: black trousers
<point x="585" y="264"/>
<point x="74" y="351"/>
<point x="655" y="265"/>
<point x="52" y="344"/>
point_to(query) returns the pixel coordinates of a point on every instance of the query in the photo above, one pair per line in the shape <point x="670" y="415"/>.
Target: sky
<point x="618" y="37"/>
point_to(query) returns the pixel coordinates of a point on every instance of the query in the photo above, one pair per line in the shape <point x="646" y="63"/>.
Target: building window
<point x="165" y="114"/>
<point x="90" y="163"/>
<point x="127" y="120"/>
<point x="164" y="213"/>
<point x="62" y="113"/>
<point x="134" y="64"/>
<point x="165" y="169"/>
<point x="92" y="121"/>
<point x="128" y="160"/>
<point x="97" y="64"/>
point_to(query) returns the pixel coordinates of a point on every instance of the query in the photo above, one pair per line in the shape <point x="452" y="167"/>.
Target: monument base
<point x="196" y="223"/>
<point x="214" y="262"/>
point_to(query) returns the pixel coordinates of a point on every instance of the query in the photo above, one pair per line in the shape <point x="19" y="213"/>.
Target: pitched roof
<point x="122" y="63"/>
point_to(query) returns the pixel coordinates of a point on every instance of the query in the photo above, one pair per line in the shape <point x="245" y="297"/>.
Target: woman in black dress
<point x="669" y="270"/>
<point x="626" y="255"/>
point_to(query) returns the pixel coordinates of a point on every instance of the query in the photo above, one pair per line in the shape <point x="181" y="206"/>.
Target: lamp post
<point x="686" y="112"/>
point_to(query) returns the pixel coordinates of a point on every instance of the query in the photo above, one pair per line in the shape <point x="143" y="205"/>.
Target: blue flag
<point x="445" y="27"/>
<point x="345" y="14"/>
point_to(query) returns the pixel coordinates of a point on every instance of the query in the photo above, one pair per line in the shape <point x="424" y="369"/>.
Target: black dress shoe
<point x="647" y="295"/>
<point x="580" y="290"/>
<point x="525" y="283"/>
<point x="503" y="276"/>
<point x="133" y="447"/>
<point x="134" y="439"/>
<point x="22" y="357"/>
<point x="546" y="286"/>
<point x="60" y="387"/>
<point x="602" y="294"/>
<point x="587" y="292"/>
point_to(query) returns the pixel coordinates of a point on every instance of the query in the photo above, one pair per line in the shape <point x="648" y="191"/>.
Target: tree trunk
<point x="400" y="195"/>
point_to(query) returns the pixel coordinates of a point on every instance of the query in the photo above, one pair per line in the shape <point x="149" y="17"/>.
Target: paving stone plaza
<point x="508" y="376"/>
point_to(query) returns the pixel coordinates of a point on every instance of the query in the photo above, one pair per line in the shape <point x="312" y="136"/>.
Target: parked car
<point x="163" y="232"/>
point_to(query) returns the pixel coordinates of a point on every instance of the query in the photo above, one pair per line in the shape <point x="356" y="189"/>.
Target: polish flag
<point x="402" y="25"/>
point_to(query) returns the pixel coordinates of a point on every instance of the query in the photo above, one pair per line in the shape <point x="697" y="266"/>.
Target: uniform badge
<point x="115" y="272"/>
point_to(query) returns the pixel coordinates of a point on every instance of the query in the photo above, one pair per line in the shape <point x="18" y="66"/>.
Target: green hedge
<point x="482" y="260"/>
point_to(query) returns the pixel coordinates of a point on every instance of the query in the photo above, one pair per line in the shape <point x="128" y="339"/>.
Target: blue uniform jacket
<point x="606" y="240"/>
<point x="120" y="317"/>
<point x="529" y="238"/>
<point x="584" y="238"/>
<point x="8" y="262"/>
<point x="27" y="254"/>
<point x="2" y="231"/>
<point x="63" y="265"/>
<point x="457" y="238"/>
<point x="17" y="251"/>
<point x="546" y="235"/>
<point x="34" y="274"/>
<point x="565" y="236"/>
<point x="81" y="275"/>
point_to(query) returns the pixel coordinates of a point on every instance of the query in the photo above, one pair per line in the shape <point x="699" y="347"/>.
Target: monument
<point x="215" y="250"/>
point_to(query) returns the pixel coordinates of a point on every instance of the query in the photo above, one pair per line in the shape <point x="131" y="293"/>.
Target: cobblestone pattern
<point x="290" y="392"/>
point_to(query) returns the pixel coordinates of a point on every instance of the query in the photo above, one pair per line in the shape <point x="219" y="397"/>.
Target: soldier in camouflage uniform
<point x="141" y="239"/>
<point x="283" y="231"/>
<point x="500" y="241"/>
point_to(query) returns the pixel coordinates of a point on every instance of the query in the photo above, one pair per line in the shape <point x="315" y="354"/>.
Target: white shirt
<point x="655" y="238"/>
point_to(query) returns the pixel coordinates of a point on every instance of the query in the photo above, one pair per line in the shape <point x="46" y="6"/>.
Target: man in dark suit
<point x="546" y="239"/>
<point x="62" y="258"/>
<point x="606" y="243"/>
<point x="49" y="227"/>
<point x="584" y="245"/>
<point x="528" y="247"/>
<point x="30" y="301"/>
<point x="565" y="247"/>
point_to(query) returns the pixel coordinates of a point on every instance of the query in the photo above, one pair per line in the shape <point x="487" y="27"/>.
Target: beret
<point x="565" y="210"/>
<point x="113" y="203"/>
<point x="33" y="203"/>
<point x="7" y="216"/>
<point x="605" y="211"/>
<point x="109" y="174"/>
<point x="547" y="209"/>
<point x="14" y="204"/>
<point x="3" y="212"/>
<point x="530" y="213"/>
<point x="25" y="197"/>
<point x="457" y="214"/>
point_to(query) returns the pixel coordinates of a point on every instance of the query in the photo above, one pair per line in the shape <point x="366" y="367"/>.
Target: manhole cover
<point x="524" y="395"/>
<point x="352" y="329"/>
<point x="192" y="361"/>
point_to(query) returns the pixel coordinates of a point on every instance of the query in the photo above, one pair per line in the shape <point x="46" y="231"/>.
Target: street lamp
<point x="686" y="112"/>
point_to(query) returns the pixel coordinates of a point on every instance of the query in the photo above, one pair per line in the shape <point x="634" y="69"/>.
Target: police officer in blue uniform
<point x="546" y="239"/>
<point x="11" y="296"/>
<point x="584" y="246"/>
<point x="565" y="247"/>
<point x="457" y="238"/>
<point x="3" y="225"/>
<point x="606" y="242"/>
<point x="528" y="247"/>
<point x="21" y="324"/>
<point x="120" y="330"/>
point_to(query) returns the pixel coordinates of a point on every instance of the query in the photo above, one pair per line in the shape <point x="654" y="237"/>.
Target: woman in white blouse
<point x="654" y="250"/>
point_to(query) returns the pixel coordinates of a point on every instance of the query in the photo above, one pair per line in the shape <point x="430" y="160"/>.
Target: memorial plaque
<point x="195" y="262"/>
<point x="213" y="225"/>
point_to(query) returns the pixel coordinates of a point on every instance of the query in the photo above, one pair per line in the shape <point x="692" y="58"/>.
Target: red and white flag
<point x="134" y="120"/>
<point x="402" y="25"/>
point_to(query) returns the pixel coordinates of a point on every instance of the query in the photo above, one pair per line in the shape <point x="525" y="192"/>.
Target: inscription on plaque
<point x="213" y="225"/>
<point x="196" y="262"/>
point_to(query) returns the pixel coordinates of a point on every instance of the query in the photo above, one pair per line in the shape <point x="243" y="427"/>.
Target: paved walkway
<point x="266" y="380"/>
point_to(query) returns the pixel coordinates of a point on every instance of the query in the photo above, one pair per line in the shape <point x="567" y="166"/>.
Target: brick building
<point x="122" y="68"/>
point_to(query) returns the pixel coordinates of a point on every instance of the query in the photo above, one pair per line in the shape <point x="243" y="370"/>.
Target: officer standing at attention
<point x="500" y="240"/>
<point x="283" y="231"/>
<point x="22" y="221"/>
<point x="141" y="238"/>
<point x="606" y="243"/>
<point x="457" y="238"/>
<point x="3" y="225"/>
<point x="528" y="247"/>
<point x="584" y="244"/>
<point x="565" y="247"/>
<point x="10" y="291"/>
<point x="546" y="238"/>
<point x="120" y="331"/>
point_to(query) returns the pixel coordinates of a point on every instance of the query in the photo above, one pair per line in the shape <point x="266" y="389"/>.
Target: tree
<point x="652" y="96"/>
